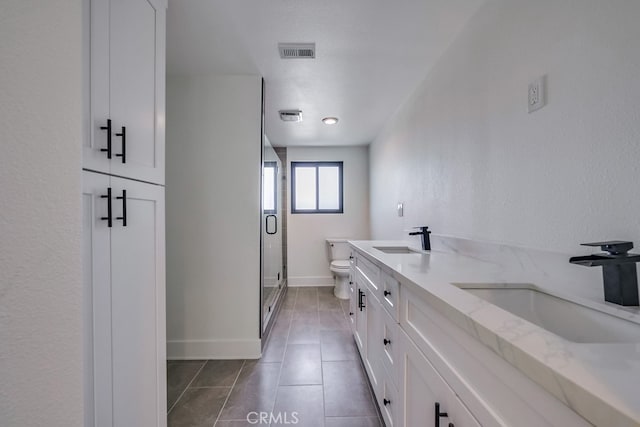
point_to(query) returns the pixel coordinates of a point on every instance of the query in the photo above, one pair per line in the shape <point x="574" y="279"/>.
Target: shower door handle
<point x="275" y="224"/>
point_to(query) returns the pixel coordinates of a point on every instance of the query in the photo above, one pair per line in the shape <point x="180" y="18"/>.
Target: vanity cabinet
<point x="127" y="89"/>
<point x="416" y="357"/>
<point x="124" y="302"/>
<point x="427" y="399"/>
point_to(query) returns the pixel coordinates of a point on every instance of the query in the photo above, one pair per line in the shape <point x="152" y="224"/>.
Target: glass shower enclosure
<point x="272" y="270"/>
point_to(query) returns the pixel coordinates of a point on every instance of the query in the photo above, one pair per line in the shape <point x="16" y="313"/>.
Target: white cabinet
<point x="124" y="284"/>
<point x="127" y="85"/>
<point x="425" y="397"/>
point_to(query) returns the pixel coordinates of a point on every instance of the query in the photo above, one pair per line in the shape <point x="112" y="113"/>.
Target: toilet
<point x="339" y="253"/>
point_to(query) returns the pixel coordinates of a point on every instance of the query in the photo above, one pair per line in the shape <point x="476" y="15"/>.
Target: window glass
<point x="316" y="187"/>
<point x="329" y="188"/>
<point x="269" y="188"/>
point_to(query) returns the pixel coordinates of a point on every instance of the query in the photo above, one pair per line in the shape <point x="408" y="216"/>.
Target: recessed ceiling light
<point x="330" y="120"/>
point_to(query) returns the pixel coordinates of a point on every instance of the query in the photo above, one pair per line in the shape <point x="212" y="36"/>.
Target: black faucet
<point x="424" y="232"/>
<point x="618" y="270"/>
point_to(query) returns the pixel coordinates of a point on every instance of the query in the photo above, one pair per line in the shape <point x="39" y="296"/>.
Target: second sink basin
<point x="572" y="321"/>
<point x="396" y="249"/>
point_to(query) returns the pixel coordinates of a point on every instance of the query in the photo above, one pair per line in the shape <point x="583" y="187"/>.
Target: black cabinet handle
<point x="109" y="217"/>
<point x="386" y="402"/>
<point x="439" y="415"/>
<point x="123" y="134"/>
<point x="361" y="305"/>
<point x="123" y="218"/>
<point x="108" y="149"/>
<point x="386" y="341"/>
<point x="275" y="224"/>
<point x="387" y="293"/>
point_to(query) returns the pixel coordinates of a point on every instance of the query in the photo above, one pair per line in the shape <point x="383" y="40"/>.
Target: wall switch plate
<point x="400" y="209"/>
<point x="537" y="91"/>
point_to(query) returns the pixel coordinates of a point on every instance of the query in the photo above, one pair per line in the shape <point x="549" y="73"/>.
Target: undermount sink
<point x="396" y="249"/>
<point x="573" y="321"/>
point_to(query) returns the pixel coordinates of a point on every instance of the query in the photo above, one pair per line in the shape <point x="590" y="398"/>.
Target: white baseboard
<point x="213" y="349"/>
<point x="306" y="281"/>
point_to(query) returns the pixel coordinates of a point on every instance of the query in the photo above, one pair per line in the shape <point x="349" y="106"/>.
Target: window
<point x="316" y="187"/>
<point x="269" y="187"/>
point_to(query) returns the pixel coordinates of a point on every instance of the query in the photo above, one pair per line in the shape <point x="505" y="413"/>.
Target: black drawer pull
<point x="439" y="415"/>
<point x="361" y="305"/>
<point x="123" y="134"/>
<point x="108" y="149"/>
<point x="123" y="218"/>
<point x="109" y="217"/>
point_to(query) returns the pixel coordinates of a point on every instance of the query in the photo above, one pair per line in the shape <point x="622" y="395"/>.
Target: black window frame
<point x="273" y="165"/>
<point x="317" y="165"/>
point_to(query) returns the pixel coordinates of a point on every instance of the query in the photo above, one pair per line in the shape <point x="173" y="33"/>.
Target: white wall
<point x="468" y="160"/>
<point x="307" y="233"/>
<point x="213" y="216"/>
<point x="40" y="217"/>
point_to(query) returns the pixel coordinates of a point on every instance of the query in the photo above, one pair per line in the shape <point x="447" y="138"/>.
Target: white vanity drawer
<point x="368" y="268"/>
<point x="389" y="403"/>
<point x="390" y="295"/>
<point x="390" y="351"/>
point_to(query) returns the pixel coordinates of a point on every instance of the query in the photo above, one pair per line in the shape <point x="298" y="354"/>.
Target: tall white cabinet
<point x="124" y="215"/>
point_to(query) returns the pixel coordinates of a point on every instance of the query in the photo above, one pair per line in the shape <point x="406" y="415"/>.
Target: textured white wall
<point x="468" y="160"/>
<point x="40" y="217"/>
<point x="307" y="233"/>
<point x="213" y="216"/>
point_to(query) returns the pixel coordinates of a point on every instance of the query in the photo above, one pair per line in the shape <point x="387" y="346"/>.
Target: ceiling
<point x="370" y="56"/>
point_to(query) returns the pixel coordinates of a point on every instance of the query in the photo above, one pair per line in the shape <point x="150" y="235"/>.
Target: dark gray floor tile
<point x="305" y="403"/>
<point x="348" y="371"/>
<point x="290" y="299"/>
<point x="254" y="391"/>
<point x="218" y="373"/>
<point x="305" y="327"/>
<point x="302" y="365"/>
<point x="346" y="390"/>
<point x="179" y="375"/>
<point x="307" y="299"/>
<point x="328" y="301"/>
<point x="281" y="327"/>
<point x="301" y="333"/>
<point x="199" y="407"/>
<point x="352" y="422"/>
<point x="274" y="350"/>
<point x="338" y="345"/>
<point x="333" y="320"/>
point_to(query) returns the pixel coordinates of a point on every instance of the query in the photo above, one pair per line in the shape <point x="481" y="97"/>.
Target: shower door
<point x="272" y="268"/>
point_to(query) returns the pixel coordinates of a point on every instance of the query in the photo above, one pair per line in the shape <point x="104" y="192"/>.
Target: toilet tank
<point x="338" y="249"/>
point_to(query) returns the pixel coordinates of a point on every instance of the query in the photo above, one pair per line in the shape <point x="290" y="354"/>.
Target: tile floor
<point x="310" y="366"/>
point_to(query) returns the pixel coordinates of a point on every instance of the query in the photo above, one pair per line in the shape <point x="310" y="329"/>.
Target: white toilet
<point x="339" y="253"/>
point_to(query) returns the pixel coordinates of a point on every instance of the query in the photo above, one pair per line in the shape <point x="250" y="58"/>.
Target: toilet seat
<point x="341" y="264"/>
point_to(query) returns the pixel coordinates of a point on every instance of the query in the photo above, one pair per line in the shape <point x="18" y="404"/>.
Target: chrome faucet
<point x="424" y="232"/>
<point x="618" y="270"/>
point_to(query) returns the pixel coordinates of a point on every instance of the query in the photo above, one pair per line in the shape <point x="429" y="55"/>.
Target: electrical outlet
<point x="536" y="94"/>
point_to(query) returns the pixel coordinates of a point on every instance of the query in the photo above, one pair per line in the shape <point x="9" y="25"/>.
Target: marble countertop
<point x="598" y="381"/>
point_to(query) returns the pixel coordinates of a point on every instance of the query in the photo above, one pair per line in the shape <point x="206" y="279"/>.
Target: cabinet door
<point x="353" y="304"/>
<point x="375" y="346"/>
<point x="96" y="272"/>
<point x="138" y="304"/>
<point x="360" y="331"/>
<point x="128" y="88"/>
<point x="422" y="388"/>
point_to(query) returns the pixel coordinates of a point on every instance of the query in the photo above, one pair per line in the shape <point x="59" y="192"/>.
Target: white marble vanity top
<point x="599" y="381"/>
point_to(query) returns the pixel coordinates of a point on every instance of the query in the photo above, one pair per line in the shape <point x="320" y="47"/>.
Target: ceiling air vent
<point x="297" y="50"/>
<point x="290" y="115"/>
